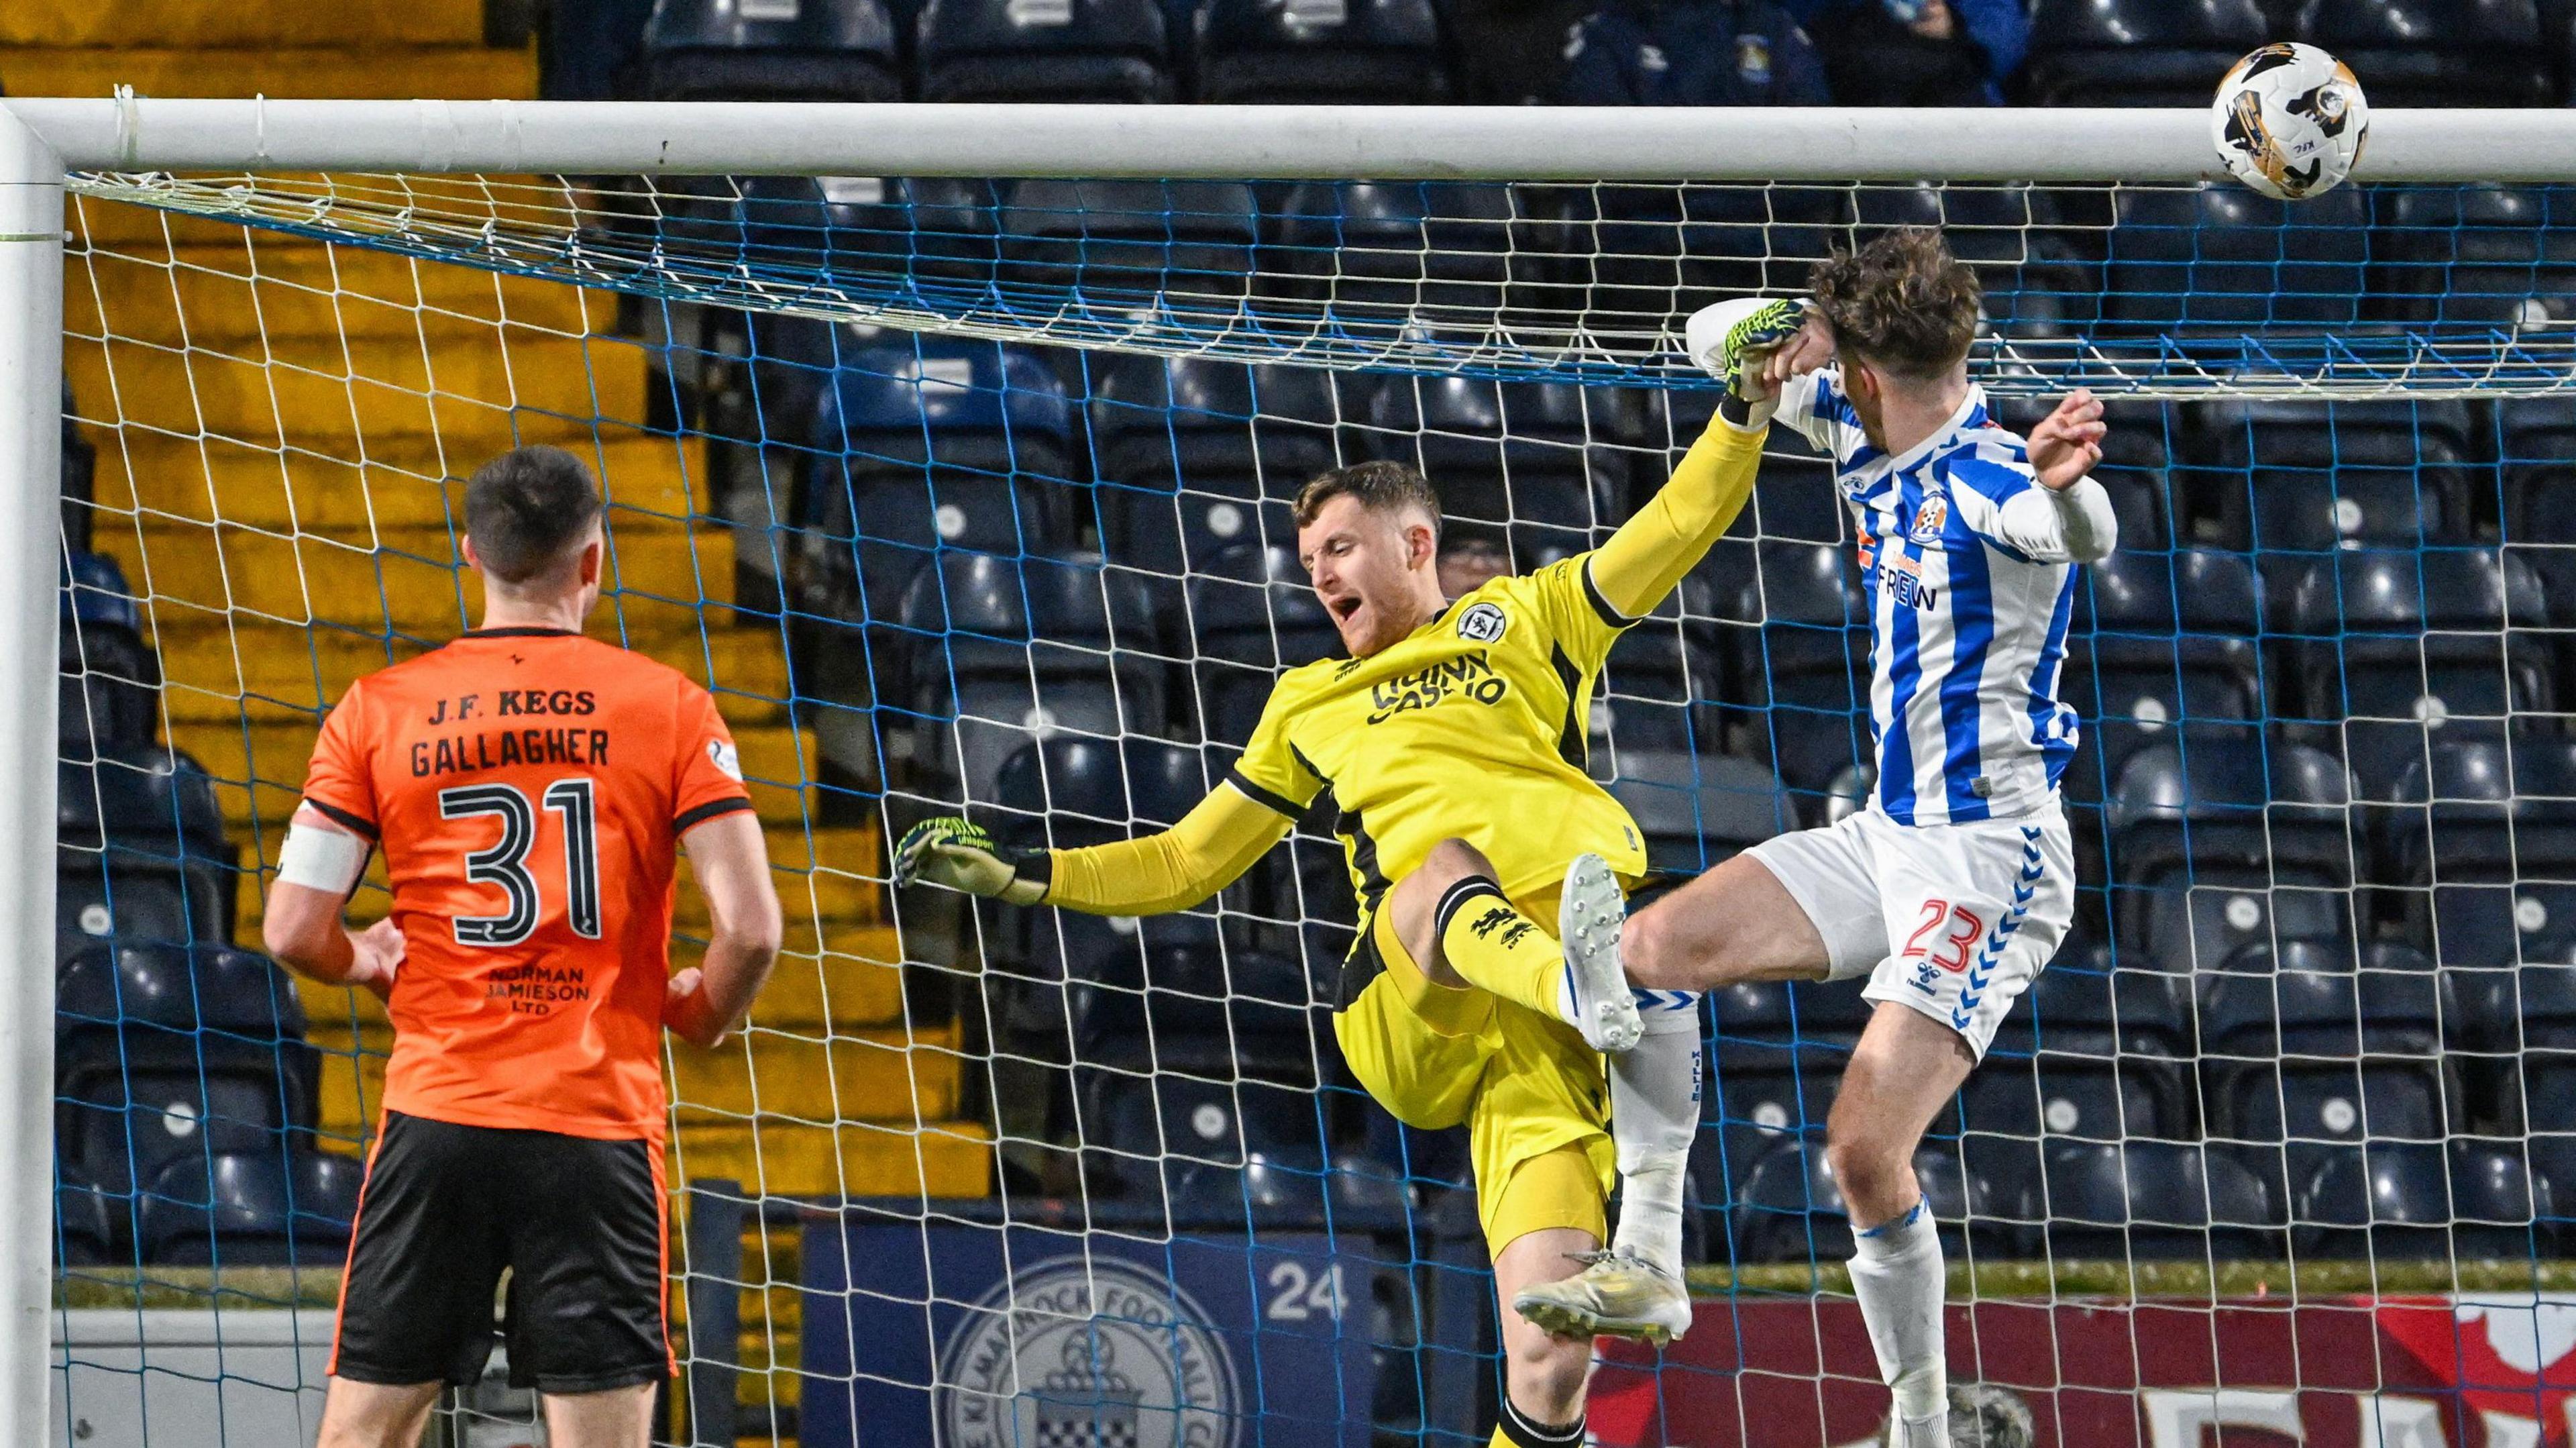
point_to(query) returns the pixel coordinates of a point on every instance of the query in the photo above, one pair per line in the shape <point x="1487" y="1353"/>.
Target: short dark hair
<point x="1902" y="302"/>
<point x="1380" y="486"/>
<point x="526" y="509"/>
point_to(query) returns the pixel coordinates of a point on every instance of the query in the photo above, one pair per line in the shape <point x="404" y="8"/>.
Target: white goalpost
<point x="662" y="206"/>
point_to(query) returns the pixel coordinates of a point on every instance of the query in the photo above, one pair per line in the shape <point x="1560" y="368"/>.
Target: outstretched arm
<point x="2068" y="517"/>
<point x="1168" y="870"/>
<point x="1668" y="537"/>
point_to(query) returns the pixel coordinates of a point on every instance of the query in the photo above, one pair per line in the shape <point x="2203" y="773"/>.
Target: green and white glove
<point x="1729" y="338"/>
<point x="952" y="852"/>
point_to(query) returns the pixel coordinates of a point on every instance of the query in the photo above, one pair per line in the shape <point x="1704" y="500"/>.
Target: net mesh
<point x="972" y="495"/>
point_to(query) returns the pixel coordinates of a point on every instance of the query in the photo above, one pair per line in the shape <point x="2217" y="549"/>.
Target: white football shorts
<point x="1953" y="920"/>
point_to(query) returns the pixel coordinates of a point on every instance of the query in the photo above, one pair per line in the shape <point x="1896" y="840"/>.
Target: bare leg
<point x="1906" y="1067"/>
<point x="616" y="1418"/>
<point x="1735" y="923"/>
<point x="1544" y="1374"/>
<point x="372" y="1415"/>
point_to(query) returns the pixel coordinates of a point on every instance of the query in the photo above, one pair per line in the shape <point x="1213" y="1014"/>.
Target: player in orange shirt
<point x="528" y="787"/>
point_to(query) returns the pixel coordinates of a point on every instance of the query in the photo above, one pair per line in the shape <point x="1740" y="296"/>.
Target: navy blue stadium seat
<point x="2226" y="840"/>
<point x="2387" y="1200"/>
<point x="2138" y="52"/>
<point x="1434" y="254"/>
<point x="1006" y="650"/>
<point x="1043" y="51"/>
<point x="2513" y="1030"/>
<point x="1659" y="689"/>
<point x="819" y="50"/>
<point x="929" y="231"/>
<point x="2222" y="259"/>
<point x="95" y="1225"/>
<point x="165" y="1053"/>
<point x="1148" y="1132"/>
<point x="2147" y="1200"/>
<point x="111" y="678"/>
<point x="2158" y="642"/>
<point x="2416" y="650"/>
<point x="1254" y="613"/>
<point x="2091" y="1053"/>
<point x="2286" y="475"/>
<point x="141" y="855"/>
<point x="1371" y="52"/>
<point x="1535" y="456"/>
<point x="2480" y="848"/>
<point x="2478" y="256"/>
<point x="1807" y="668"/>
<point x="1779" y="1056"/>
<point x="1659" y="251"/>
<point x="934" y="443"/>
<point x="2136" y="458"/>
<point x="1789" y="1210"/>
<point x="2033" y="280"/>
<point x="1123" y="243"/>
<point x="1699" y="810"/>
<point x="2317" y="1051"/>
<point x="252" y="1209"/>
<point x="1196" y="455"/>
<point x="2437" y="52"/>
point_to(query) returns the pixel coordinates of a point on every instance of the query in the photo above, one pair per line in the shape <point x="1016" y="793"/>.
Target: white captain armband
<point x="322" y="859"/>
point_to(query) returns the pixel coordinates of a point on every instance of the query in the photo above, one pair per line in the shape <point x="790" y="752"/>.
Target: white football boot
<point x="1589" y="916"/>
<point x="1615" y="1295"/>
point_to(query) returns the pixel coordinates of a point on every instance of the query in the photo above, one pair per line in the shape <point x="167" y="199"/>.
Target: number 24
<point x="1965" y="927"/>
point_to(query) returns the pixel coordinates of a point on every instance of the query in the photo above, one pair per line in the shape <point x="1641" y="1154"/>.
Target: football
<point x="2289" y="121"/>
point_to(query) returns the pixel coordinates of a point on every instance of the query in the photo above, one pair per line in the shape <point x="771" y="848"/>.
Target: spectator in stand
<point x="1691" y="53"/>
<point x="1917" y="52"/>
<point x="1469" y="562"/>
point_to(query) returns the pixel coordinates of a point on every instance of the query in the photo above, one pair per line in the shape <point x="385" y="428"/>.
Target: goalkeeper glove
<point x="1729" y="340"/>
<point x="952" y="852"/>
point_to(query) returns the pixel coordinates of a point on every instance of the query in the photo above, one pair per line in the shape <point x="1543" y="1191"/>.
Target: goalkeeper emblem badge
<point x="1483" y="623"/>
<point x="1091" y="1352"/>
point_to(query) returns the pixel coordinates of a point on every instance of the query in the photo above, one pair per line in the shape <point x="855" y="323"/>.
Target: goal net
<point x="970" y="495"/>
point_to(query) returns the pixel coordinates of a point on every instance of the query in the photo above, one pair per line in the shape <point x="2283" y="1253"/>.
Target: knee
<point x="1872" y="1173"/>
<point x="1646" y="950"/>
<point x="1451" y="861"/>
<point x="1546" y="1375"/>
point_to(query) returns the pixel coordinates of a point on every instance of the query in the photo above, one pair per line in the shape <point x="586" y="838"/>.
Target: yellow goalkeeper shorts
<point x="1532" y="1095"/>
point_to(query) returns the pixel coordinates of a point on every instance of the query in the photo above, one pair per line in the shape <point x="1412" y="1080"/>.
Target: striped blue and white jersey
<point x="1968" y="599"/>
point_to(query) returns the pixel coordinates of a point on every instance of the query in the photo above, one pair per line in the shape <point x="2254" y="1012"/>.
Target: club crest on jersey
<point x="1483" y="623"/>
<point x="1931" y="518"/>
<point x="726" y="758"/>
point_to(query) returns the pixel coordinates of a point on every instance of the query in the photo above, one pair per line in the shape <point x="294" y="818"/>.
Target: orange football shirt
<point x="528" y="788"/>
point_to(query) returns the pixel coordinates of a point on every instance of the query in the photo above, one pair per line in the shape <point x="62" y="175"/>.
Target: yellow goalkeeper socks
<point x="1486" y="939"/>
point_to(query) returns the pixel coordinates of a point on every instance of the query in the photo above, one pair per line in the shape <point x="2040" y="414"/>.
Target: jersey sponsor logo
<point x="1483" y="623"/>
<point x="1899" y="576"/>
<point x="1090" y="1351"/>
<point x="1931" y="518"/>
<point x="726" y="758"/>
<point x="1469" y="676"/>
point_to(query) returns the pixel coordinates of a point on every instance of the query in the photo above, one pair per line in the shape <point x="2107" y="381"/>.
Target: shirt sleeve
<point x="1813" y="407"/>
<point x="2003" y="503"/>
<point x="1170" y="869"/>
<point x="708" y="773"/>
<point x="338" y="781"/>
<point x="1627" y="576"/>
<point x="1271" y="772"/>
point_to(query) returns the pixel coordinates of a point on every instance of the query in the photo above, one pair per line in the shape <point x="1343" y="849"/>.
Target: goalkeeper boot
<point x="1615" y="1295"/>
<point x="1590" y="913"/>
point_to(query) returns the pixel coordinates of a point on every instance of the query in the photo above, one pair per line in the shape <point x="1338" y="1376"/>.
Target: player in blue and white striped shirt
<point x="1955" y="885"/>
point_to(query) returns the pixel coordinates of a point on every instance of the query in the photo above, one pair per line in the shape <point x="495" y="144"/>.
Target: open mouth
<point x="1343" y="608"/>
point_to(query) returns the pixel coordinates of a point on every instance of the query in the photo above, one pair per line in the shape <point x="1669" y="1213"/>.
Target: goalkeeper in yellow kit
<point x="1485" y="986"/>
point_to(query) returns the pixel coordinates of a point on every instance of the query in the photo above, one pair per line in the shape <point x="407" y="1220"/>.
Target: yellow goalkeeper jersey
<point x="1473" y="727"/>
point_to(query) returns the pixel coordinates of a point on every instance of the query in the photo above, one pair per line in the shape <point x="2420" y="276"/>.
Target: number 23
<point x="1965" y="927"/>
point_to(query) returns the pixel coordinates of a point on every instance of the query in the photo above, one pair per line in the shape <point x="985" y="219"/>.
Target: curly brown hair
<point x="1380" y="486"/>
<point x="1903" y="303"/>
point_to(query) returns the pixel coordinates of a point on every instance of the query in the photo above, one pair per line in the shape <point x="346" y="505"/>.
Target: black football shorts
<point x="446" y="1208"/>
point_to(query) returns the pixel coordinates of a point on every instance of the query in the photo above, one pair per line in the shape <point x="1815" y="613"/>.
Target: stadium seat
<point x="1795" y="497"/>
<point x="1151" y="1130"/>
<point x="252" y="1209"/>
<point x="1807" y="668"/>
<point x="2413" y="649"/>
<point x="2315" y="1051"/>
<point x="2389" y="1200"/>
<point x="1196" y="455"/>
<point x="2225" y="840"/>
<point x="2149" y="1200"/>
<point x="1656" y="252"/>
<point x="2515" y="1027"/>
<point x="2033" y="281"/>
<point x="141" y="855"/>
<point x="1698" y="811"/>
<point x="2091" y="1053"/>
<point x="936" y="443"/>
<point x="2480" y="846"/>
<point x="2137" y="456"/>
<point x="1779" y="1056"/>
<point x="1122" y="244"/>
<point x="1006" y="650"/>
<point x="1660" y="687"/>
<point x="2288" y="475"/>
<point x="1789" y="1209"/>
<point x="2437" y="52"/>
<point x="1369" y="52"/>
<point x="1049" y="51"/>
<point x="865" y="230"/>
<point x="821" y="50"/>
<point x="165" y="1052"/>
<point x="111" y="678"/>
<point x="1403" y="254"/>
<point x="2221" y="259"/>
<point x="1254" y="613"/>
<point x="2158" y="642"/>
<point x="2478" y="256"/>
<point x="1529" y="456"/>
<point x="2138" y="52"/>
<point x="95" y="1227"/>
